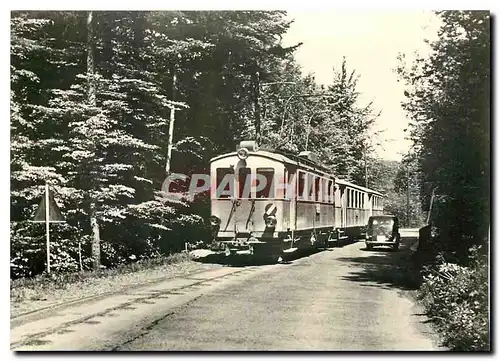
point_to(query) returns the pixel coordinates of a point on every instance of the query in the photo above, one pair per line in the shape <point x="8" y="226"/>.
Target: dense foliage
<point x="91" y="99"/>
<point x="448" y="98"/>
<point x="457" y="298"/>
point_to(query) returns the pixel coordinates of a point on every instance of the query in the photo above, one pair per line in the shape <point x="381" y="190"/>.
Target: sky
<point x="370" y="41"/>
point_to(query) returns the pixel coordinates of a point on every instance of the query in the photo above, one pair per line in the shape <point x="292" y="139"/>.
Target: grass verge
<point x="29" y="294"/>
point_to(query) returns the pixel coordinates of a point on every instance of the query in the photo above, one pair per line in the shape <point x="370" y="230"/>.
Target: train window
<point x="265" y="175"/>
<point x="302" y="185"/>
<point x="310" y="186"/>
<point x="326" y="191"/>
<point x="244" y="182"/>
<point x="324" y="195"/>
<point x="330" y="191"/>
<point x="348" y="198"/>
<point x="317" y="189"/>
<point x="225" y="178"/>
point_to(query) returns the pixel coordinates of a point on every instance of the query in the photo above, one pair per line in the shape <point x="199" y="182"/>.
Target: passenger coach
<point x="268" y="203"/>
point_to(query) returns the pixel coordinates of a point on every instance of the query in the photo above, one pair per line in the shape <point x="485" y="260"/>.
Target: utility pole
<point x="171" y="124"/>
<point x="47" y="223"/>
<point x="430" y="206"/>
<point x="408" y="195"/>
<point x="91" y="98"/>
<point x="366" y="167"/>
<point x="257" y="106"/>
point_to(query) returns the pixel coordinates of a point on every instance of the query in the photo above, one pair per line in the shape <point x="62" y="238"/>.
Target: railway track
<point x="29" y="328"/>
<point x="21" y="317"/>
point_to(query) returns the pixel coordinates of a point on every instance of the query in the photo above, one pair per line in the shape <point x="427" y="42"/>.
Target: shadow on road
<point x="246" y="261"/>
<point x="381" y="249"/>
<point x="383" y="267"/>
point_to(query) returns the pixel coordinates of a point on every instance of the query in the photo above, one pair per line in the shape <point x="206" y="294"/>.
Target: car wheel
<point x="369" y="247"/>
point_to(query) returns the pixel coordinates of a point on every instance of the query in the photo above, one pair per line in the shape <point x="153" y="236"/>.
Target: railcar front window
<point x="302" y="185"/>
<point x="244" y="182"/>
<point x="310" y="185"/>
<point x="265" y="190"/>
<point x="225" y="183"/>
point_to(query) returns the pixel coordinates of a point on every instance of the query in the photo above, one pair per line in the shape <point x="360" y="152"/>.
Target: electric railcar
<point x="268" y="203"/>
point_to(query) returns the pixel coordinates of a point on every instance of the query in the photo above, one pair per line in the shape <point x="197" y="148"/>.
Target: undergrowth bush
<point x="456" y="298"/>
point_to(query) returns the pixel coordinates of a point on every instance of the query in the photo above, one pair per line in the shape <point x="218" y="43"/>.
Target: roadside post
<point x="48" y="211"/>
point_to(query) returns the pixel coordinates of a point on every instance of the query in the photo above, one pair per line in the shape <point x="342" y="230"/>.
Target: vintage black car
<point x="383" y="230"/>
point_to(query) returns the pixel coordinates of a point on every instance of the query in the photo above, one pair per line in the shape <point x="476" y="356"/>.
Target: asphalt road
<point x="341" y="299"/>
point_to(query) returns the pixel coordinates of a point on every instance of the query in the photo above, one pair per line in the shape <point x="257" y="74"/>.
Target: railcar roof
<point x="295" y="160"/>
<point x="288" y="158"/>
<point x="364" y="189"/>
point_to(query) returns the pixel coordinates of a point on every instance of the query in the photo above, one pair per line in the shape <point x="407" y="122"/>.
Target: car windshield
<point x="381" y="222"/>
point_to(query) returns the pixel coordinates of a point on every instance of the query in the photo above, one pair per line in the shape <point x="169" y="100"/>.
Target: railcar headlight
<point x="242" y="153"/>
<point x="214" y="221"/>
<point x="270" y="221"/>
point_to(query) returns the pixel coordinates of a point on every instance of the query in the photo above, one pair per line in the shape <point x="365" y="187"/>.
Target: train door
<point x="343" y="207"/>
<point x="291" y="178"/>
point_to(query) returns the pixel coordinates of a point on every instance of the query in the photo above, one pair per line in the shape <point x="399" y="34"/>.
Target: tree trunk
<point x="171" y="125"/>
<point x="94" y="224"/>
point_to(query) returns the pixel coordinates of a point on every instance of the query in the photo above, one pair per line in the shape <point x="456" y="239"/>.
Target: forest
<point x="448" y="99"/>
<point x="93" y="93"/>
